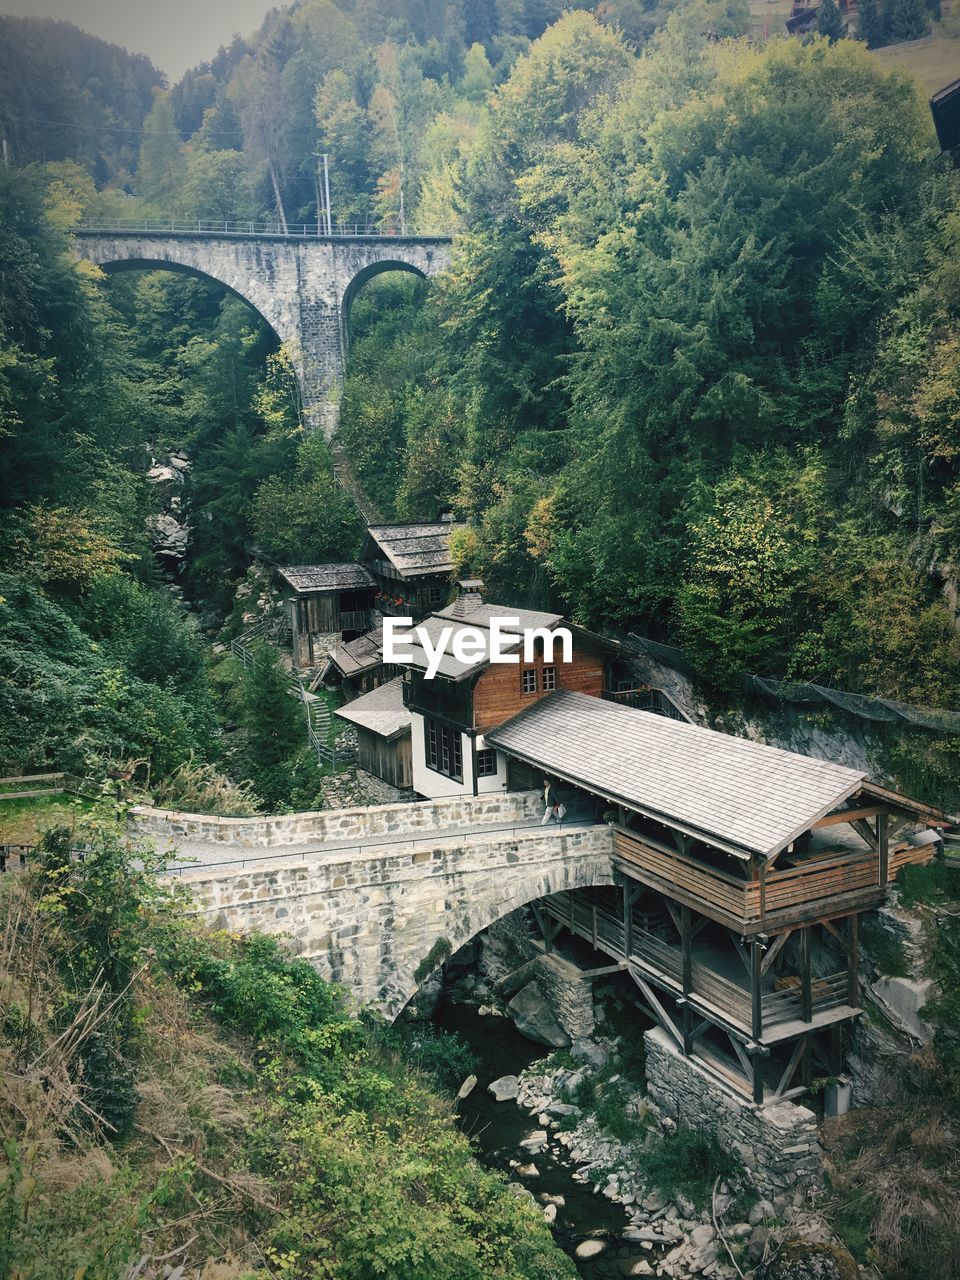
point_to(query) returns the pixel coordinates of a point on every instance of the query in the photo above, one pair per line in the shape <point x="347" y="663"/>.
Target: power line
<point x="115" y="128"/>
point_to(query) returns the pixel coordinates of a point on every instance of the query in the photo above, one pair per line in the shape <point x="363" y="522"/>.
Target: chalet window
<point x="528" y="680"/>
<point x="549" y="678"/>
<point x="434" y="595"/>
<point x="444" y="750"/>
<point x="486" y="762"/>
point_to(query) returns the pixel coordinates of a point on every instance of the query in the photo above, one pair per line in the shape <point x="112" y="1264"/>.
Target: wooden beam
<point x="883" y="845"/>
<point x="756" y="990"/>
<point x="742" y="952"/>
<point x="686" y="950"/>
<point x="656" y="1007"/>
<point x="863" y="829"/>
<point x="604" y="970"/>
<point x="627" y="918"/>
<point x="741" y="1053"/>
<point x="806" y="981"/>
<point x="674" y="915"/>
<point x="779" y="942"/>
<point x="790" y="1069"/>
<point x="850" y="815"/>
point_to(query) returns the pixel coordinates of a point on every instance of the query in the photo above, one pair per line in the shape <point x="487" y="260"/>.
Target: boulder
<point x="466" y="1088"/>
<point x="528" y="1171"/>
<point x="799" y="1260"/>
<point x="589" y="1249"/>
<point x="533" y="1017"/>
<point x="550" y="1213"/>
<point x="504" y="1089"/>
<point x="534" y="1142"/>
<point x="560" y="1109"/>
<point x="513" y="982"/>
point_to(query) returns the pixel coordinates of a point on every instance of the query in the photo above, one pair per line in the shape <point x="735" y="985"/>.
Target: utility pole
<point x="326" y="192"/>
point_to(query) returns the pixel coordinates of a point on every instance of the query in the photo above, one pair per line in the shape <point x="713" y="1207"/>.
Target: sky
<point x="174" y="34"/>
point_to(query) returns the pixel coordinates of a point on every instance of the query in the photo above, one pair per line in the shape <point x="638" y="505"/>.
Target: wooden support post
<point x="836" y="1049"/>
<point x="756" y="1060"/>
<point x="627" y="918"/>
<point x="806" y="983"/>
<point x="762" y="877"/>
<point x="883" y="846"/>
<point x="853" y="962"/>
<point x="687" y="1031"/>
<point x="686" y="943"/>
<point x="806" y="1061"/>
<point x="756" y="989"/>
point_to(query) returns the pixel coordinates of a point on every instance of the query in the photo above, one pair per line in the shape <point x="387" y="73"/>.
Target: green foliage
<point x="303" y="516"/>
<point x="830" y="23"/>
<point x="688" y="1162"/>
<point x="440" y="952"/>
<point x="935" y="883"/>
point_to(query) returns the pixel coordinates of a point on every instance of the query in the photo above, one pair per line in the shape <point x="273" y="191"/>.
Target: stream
<point x="498" y="1127"/>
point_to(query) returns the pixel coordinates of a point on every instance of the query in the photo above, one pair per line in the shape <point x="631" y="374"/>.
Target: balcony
<point x="784" y="1009"/>
<point x="846" y="877"/>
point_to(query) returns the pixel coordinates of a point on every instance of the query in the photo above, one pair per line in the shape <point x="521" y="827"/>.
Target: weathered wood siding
<point x="391" y="761"/>
<point x="497" y="694"/>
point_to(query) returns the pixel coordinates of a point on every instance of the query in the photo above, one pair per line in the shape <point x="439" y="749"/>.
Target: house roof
<point x="415" y="550"/>
<point x="477" y="616"/>
<point x="326" y="577"/>
<point x="381" y="711"/>
<point x="351" y="657"/>
<point x="741" y="796"/>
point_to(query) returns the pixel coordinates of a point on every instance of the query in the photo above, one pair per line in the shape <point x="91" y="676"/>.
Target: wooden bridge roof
<point x="740" y="796"/>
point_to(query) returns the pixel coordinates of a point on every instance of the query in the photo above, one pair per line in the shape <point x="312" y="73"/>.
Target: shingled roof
<point x="415" y="550"/>
<point x="351" y="657"/>
<point x="326" y="577"/>
<point x="479" y="617"/>
<point x="741" y="796"/>
<point x="381" y="711"/>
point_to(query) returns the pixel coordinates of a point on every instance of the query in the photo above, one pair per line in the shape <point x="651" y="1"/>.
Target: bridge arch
<point x="463" y="930"/>
<point x="121" y="265"/>
<point x="363" y="277"/>
<point x="301" y="285"/>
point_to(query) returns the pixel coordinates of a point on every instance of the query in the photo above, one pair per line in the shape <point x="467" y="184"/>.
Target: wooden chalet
<point x="451" y="713"/>
<point x="325" y="600"/>
<point x="411" y="565"/>
<point x="382" y="725"/>
<point x="357" y="665"/>
<point x="743" y="871"/>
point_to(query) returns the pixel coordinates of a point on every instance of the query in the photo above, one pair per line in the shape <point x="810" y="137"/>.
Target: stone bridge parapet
<point x="373" y="920"/>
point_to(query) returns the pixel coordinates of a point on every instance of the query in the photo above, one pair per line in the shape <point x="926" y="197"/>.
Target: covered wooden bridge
<point x="743" y="870"/>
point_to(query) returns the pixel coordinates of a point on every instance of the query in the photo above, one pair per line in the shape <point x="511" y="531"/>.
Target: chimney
<point x="469" y="596"/>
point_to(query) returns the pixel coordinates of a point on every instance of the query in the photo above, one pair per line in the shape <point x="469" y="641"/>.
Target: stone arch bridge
<point x="373" y="896"/>
<point x="302" y="286"/>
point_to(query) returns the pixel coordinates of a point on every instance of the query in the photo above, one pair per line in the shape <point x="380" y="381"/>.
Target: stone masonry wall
<point x="566" y="992"/>
<point x="341" y="826"/>
<point x="370" y="921"/>
<point x="778" y="1144"/>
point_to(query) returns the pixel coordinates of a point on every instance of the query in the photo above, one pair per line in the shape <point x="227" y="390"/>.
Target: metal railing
<point x="224" y="227"/>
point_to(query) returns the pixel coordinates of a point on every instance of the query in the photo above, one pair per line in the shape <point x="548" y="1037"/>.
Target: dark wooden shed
<point x="325" y="600"/>
<point x="382" y="724"/>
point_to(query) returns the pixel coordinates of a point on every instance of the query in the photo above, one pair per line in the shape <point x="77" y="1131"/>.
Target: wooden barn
<point x="357" y="665"/>
<point x="382" y="724"/>
<point x="411" y="565"/>
<point x="324" y="601"/>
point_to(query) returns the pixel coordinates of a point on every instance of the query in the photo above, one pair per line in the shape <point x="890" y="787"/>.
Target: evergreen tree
<point x="830" y="22"/>
<point x="906" y="20"/>
<point x="161" y="164"/>
<point x="872" y="23"/>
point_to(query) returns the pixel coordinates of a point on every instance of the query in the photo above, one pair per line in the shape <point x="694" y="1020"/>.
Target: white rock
<point x="589" y="1249"/>
<point x="528" y="1171"/>
<point x="550" y="1213"/>
<point x="505" y="1089"/>
<point x="534" y="1142"/>
<point x="467" y="1087"/>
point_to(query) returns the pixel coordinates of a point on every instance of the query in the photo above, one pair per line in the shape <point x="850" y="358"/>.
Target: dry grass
<point x="935" y="64"/>
<point x="895" y="1174"/>
<point x="25" y="821"/>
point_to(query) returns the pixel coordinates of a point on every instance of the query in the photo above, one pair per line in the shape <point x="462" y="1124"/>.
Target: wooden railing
<point x="735" y="896"/>
<point x="746" y="901"/>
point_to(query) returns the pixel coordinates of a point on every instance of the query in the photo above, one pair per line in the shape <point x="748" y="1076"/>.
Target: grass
<point x="25" y="821"/>
<point x="933" y="884"/>
<point x="936" y="64"/>
<point x="687" y="1162"/>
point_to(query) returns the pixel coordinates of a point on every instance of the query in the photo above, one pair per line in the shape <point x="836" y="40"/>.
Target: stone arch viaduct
<point x="383" y="890"/>
<point x="302" y="286"/>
